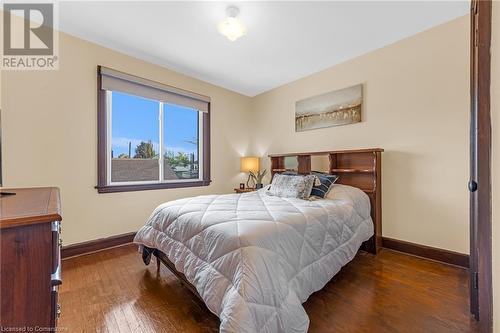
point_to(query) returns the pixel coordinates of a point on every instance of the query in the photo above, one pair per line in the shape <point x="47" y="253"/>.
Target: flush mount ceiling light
<point x="231" y="26"/>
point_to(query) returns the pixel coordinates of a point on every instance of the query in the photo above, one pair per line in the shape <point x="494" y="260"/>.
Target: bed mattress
<point x="255" y="258"/>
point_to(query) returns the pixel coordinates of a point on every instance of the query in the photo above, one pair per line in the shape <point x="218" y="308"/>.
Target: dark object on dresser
<point x="30" y="263"/>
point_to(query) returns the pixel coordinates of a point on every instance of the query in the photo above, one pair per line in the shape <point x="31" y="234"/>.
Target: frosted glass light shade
<point x="232" y="28"/>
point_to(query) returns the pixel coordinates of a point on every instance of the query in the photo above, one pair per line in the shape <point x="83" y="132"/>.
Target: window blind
<point x="118" y="81"/>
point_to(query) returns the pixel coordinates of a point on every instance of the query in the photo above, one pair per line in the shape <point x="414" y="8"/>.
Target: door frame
<point x="481" y="305"/>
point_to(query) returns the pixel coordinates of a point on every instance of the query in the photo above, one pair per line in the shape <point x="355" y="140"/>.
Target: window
<point x="150" y="136"/>
<point x="135" y="132"/>
<point x="181" y="142"/>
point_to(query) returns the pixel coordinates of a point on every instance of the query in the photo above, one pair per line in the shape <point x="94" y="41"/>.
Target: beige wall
<point x="495" y="125"/>
<point x="49" y="138"/>
<point x="416" y="107"/>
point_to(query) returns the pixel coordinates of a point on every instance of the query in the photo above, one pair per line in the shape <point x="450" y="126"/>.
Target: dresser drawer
<point x="27" y="267"/>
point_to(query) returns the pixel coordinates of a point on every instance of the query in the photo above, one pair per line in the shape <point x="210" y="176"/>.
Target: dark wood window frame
<point x="103" y="185"/>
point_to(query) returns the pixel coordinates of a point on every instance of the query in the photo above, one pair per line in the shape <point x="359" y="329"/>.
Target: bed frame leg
<point x="371" y="245"/>
<point x="158" y="265"/>
<point x="146" y="255"/>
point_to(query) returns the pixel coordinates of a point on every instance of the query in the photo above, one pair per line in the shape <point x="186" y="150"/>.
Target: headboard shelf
<point x="347" y="151"/>
<point x="361" y="168"/>
<point x="352" y="170"/>
<point x="331" y="170"/>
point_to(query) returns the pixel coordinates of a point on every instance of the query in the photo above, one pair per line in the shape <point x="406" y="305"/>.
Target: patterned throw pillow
<point x="321" y="188"/>
<point x="288" y="186"/>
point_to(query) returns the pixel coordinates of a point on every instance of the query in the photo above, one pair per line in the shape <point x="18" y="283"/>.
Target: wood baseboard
<point x="448" y="257"/>
<point x="96" y="245"/>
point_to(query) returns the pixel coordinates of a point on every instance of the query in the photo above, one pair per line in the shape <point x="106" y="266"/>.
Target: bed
<point x="254" y="258"/>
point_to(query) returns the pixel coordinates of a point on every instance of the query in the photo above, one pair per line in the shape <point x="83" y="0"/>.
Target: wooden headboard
<point x="360" y="168"/>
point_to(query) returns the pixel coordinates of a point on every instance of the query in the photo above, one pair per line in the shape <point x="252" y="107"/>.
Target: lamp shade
<point x="250" y="164"/>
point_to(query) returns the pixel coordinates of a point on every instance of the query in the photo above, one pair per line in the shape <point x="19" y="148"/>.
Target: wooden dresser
<point x="30" y="260"/>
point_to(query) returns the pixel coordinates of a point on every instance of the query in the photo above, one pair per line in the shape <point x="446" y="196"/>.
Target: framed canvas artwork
<point x="335" y="108"/>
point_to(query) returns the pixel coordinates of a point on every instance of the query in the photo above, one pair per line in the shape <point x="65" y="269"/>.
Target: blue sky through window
<point x="135" y="119"/>
<point x="180" y="129"/>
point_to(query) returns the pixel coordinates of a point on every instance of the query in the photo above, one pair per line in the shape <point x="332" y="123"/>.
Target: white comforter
<point x="255" y="258"/>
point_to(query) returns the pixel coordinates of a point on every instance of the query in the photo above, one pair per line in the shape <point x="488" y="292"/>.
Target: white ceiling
<point x="285" y="40"/>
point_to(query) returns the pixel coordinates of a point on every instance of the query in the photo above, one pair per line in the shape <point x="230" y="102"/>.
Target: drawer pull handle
<point x="56" y="279"/>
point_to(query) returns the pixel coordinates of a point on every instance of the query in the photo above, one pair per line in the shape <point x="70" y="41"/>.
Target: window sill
<point x="147" y="187"/>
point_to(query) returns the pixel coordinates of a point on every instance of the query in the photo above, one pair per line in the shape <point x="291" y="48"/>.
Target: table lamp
<point x="250" y="164"/>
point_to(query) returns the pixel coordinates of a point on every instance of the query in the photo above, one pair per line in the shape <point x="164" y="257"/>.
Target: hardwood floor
<point x="112" y="291"/>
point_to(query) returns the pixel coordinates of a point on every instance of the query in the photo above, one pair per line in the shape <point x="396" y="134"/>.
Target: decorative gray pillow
<point x="288" y="186"/>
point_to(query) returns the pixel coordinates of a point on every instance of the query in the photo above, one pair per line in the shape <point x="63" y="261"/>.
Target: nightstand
<point x="248" y="189"/>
